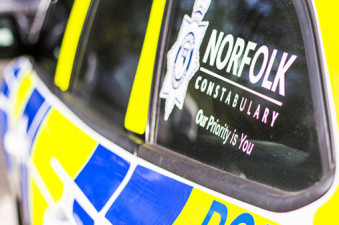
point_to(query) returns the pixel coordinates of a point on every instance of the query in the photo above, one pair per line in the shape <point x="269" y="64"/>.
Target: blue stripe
<point x="80" y="215"/>
<point x="16" y="71"/>
<point x="33" y="105"/>
<point x="16" y="66"/>
<point x="3" y="130"/>
<point x="101" y="176"/>
<point x="149" y="198"/>
<point x="3" y="124"/>
<point x="4" y="88"/>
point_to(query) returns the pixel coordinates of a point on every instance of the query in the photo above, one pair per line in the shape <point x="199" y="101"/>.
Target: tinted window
<point x="236" y="92"/>
<point x="47" y="49"/>
<point x="111" y="55"/>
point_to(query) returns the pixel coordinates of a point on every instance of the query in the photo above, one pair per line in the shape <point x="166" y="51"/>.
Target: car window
<point x="110" y="55"/>
<point x="236" y="93"/>
<point x="46" y="50"/>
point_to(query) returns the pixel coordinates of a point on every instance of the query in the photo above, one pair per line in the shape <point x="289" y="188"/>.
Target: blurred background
<point x="7" y="206"/>
<point x="20" y="29"/>
<point x="24" y="12"/>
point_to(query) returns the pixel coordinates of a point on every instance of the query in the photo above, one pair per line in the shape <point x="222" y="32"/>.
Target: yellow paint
<point x="327" y="14"/>
<point x="328" y="213"/>
<point x="38" y="206"/>
<point x="70" y="44"/>
<point x="23" y="93"/>
<point x="195" y="209"/>
<point x="61" y="139"/>
<point x="199" y="204"/>
<point x="137" y="111"/>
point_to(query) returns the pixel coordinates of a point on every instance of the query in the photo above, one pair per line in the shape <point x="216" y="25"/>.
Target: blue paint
<point x="16" y="68"/>
<point x="24" y="192"/>
<point x="4" y="88"/>
<point x="219" y="208"/>
<point x="80" y="215"/>
<point x="243" y="219"/>
<point x="101" y="176"/>
<point x="3" y="130"/>
<point x="33" y="105"/>
<point x="149" y="198"/>
<point x="4" y="124"/>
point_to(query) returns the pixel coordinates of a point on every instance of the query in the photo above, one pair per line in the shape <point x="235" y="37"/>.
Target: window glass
<point x="111" y="55"/>
<point x="235" y="91"/>
<point x="46" y="51"/>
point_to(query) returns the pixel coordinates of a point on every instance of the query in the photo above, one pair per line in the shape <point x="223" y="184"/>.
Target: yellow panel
<point x="195" y="209"/>
<point x="328" y="214"/>
<point x="70" y="43"/>
<point x="24" y="90"/>
<point x="198" y="205"/>
<point x="38" y="206"/>
<point x="137" y="111"/>
<point x="327" y="14"/>
<point x="61" y="139"/>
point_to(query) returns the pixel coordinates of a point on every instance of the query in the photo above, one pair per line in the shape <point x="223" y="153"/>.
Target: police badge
<point x="183" y="58"/>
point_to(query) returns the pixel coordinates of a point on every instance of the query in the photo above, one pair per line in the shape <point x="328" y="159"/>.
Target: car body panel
<point x="63" y="171"/>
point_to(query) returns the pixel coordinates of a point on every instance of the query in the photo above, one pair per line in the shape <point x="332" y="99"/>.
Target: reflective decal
<point x="218" y="208"/>
<point x="203" y="208"/>
<point x="101" y="176"/>
<point x="34" y="113"/>
<point x="34" y="103"/>
<point x="22" y="94"/>
<point x="58" y="140"/>
<point x="40" y="204"/>
<point x="326" y="214"/>
<point x="149" y="198"/>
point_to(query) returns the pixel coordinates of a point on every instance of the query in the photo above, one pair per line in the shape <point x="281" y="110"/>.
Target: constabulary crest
<point x="183" y="58"/>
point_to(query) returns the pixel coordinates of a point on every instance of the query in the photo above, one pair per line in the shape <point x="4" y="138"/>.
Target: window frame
<point x="121" y="137"/>
<point x="252" y="192"/>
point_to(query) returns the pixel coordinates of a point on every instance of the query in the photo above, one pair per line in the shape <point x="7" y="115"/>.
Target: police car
<point x="175" y="112"/>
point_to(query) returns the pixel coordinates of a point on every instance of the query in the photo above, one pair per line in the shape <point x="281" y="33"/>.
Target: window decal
<point x="183" y="57"/>
<point x="245" y="95"/>
<point x="229" y="54"/>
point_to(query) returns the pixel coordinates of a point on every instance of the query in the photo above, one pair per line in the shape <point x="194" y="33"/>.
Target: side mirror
<point x="9" y="37"/>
